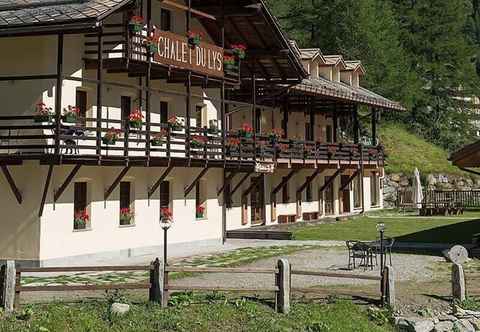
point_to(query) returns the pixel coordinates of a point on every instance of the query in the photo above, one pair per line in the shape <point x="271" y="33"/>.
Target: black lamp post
<point x="165" y="224"/>
<point x="381" y="229"/>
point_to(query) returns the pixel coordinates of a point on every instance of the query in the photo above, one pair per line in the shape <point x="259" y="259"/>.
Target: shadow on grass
<point x="459" y="233"/>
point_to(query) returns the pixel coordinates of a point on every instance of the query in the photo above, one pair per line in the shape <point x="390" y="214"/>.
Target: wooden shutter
<point x="81" y="103"/>
<point x="164" y="194"/>
<point x="125" y="197"/>
<point x="80" y="197"/>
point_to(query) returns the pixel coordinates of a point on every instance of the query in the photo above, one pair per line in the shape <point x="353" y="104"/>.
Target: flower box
<point x="194" y="38"/>
<point x="198" y="142"/>
<point x="71" y="114"/>
<point x="111" y="136"/>
<point x="274" y="135"/>
<point x="239" y="50"/>
<point x="246" y="131"/>
<point x="229" y="63"/>
<point x="200" y="212"/>
<point x="80" y="220"/>
<point x="43" y="113"/>
<point x="136" y="24"/>
<point x="158" y="139"/>
<point x="175" y="124"/>
<point x="126" y="216"/>
<point x="151" y="44"/>
<point x="135" y="119"/>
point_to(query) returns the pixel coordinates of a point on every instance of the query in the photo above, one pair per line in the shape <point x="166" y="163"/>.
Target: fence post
<point x="458" y="282"/>
<point x="8" y="286"/>
<point x="389" y="286"/>
<point x="283" y="282"/>
<point x="156" y="281"/>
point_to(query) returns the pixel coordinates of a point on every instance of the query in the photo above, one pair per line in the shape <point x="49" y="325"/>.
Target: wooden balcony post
<point x="189" y="88"/>
<point x="99" y="93"/>
<point x="374" y="126"/>
<point x="356" y="127"/>
<point x="147" y="83"/>
<point x="58" y="93"/>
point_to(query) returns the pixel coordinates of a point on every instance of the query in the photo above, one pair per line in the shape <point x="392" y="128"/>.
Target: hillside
<point x="405" y="151"/>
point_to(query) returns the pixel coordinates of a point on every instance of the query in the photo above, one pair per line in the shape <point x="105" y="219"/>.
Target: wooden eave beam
<point x="252" y="185"/>
<point x="154" y="188"/>
<point x="350" y="179"/>
<point x="194" y="183"/>
<point x="309" y="180"/>
<point x="230" y="11"/>
<point x="331" y="179"/>
<point x="12" y="184"/>
<point x="239" y="184"/>
<point x="116" y="182"/>
<point x="67" y="181"/>
<point x="228" y="179"/>
<point x="284" y="181"/>
<point x="194" y="12"/>
<point x="45" y="190"/>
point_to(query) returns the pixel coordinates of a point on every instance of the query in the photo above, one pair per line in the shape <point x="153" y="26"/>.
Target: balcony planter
<point x="158" y="139"/>
<point x="194" y="38"/>
<point x="198" y="142"/>
<point x="239" y="50"/>
<point x="43" y="113"/>
<point x="71" y="114"/>
<point x="80" y="220"/>
<point x="200" y="213"/>
<point x="135" y="119"/>
<point x="136" y="24"/>
<point x="111" y="136"/>
<point x="274" y="135"/>
<point x="213" y="130"/>
<point x="232" y="146"/>
<point x="229" y="63"/>
<point x="152" y="45"/>
<point x="126" y="216"/>
<point x="246" y="131"/>
<point x="175" y="124"/>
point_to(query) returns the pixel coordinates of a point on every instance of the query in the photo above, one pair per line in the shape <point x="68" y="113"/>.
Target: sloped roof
<point x="338" y="90"/>
<point x="31" y="13"/>
<point x="353" y="65"/>
<point x="468" y="156"/>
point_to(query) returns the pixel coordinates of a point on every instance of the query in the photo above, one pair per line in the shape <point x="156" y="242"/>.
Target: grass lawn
<point x="406" y="228"/>
<point x="216" y="314"/>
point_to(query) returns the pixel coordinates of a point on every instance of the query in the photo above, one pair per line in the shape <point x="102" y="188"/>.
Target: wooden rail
<point x="335" y="275"/>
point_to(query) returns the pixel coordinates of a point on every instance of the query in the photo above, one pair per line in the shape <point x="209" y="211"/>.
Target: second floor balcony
<point x="32" y="137"/>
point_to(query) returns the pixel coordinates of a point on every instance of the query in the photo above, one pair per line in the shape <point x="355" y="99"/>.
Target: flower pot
<point x="136" y="124"/>
<point x="124" y="220"/>
<point x="194" y="41"/>
<point x="79" y="224"/>
<point x="70" y="118"/>
<point x="199" y="215"/>
<point x="239" y="53"/>
<point x="42" y="118"/>
<point x="152" y="48"/>
<point x="109" y="141"/>
<point x="134" y="27"/>
<point x="196" y="145"/>
<point x="156" y="142"/>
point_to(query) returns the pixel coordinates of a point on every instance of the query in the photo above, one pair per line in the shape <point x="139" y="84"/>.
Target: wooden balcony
<point x="21" y="138"/>
<point x="125" y="51"/>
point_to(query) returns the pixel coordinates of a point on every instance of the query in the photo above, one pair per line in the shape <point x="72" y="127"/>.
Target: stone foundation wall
<point x="398" y="181"/>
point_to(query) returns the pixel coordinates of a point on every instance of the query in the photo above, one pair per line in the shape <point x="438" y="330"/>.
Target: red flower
<point x="82" y="215"/>
<point x="194" y="34"/>
<point x="200" y="209"/>
<point x="246" y="128"/>
<point x="136" y="115"/>
<point x="72" y="110"/>
<point x="231" y="141"/>
<point x="136" y="19"/>
<point x="241" y="47"/>
<point x="228" y="59"/>
<point x="166" y="214"/>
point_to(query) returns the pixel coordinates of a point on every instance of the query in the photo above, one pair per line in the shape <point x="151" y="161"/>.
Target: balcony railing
<point x="22" y="136"/>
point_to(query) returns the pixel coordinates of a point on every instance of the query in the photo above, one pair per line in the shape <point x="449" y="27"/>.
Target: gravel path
<point x="407" y="267"/>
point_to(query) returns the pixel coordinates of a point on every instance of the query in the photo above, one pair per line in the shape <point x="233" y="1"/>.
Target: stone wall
<point x="398" y="181"/>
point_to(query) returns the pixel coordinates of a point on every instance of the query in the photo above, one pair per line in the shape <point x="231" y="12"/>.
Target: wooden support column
<point x="116" y="182"/>
<point x="147" y="83"/>
<point x="65" y="184"/>
<point x="58" y="93"/>
<point x="252" y="185"/>
<point x="285" y="118"/>
<point x="224" y="136"/>
<point x="194" y="183"/>
<point x="239" y="184"/>
<point x="45" y="190"/>
<point x="356" y="127"/>
<point x="157" y="184"/>
<point x="362" y="169"/>
<point x="254" y="113"/>
<point x="330" y="180"/>
<point x="335" y="124"/>
<point x="374" y="126"/>
<point x="99" y="93"/>
<point x="12" y="184"/>
<point x="312" y="122"/>
<point x="188" y="98"/>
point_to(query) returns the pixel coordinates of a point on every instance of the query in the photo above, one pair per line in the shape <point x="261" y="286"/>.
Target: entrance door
<point x="345" y="194"/>
<point x="329" y="198"/>
<point x="257" y="201"/>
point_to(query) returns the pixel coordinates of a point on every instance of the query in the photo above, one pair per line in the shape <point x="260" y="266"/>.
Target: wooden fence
<point x="464" y="284"/>
<point x="460" y="198"/>
<point x="160" y="288"/>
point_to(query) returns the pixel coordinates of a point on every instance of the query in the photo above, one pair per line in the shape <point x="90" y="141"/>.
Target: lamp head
<point x="165" y="224"/>
<point x="380" y="227"/>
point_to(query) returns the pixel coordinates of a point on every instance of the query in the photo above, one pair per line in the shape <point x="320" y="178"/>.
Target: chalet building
<point x="114" y="110"/>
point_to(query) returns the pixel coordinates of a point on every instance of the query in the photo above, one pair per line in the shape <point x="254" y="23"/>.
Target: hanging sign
<point x="174" y="50"/>
<point x="264" y="167"/>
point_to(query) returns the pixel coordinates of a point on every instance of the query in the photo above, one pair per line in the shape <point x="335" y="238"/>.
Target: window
<point x="258" y="121"/>
<point x="166" y="20"/>
<point x="285" y="196"/>
<point x="357" y="192"/>
<point x="163" y="112"/>
<point x="308" y="193"/>
<point x="164" y="194"/>
<point x="374" y="189"/>
<point x="81" y="217"/>
<point x="126" y="208"/>
<point x="329" y="134"/>
<point x="126" y="106"/>
<point x="81" y="104"/>
<point x="200" y="201"/>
